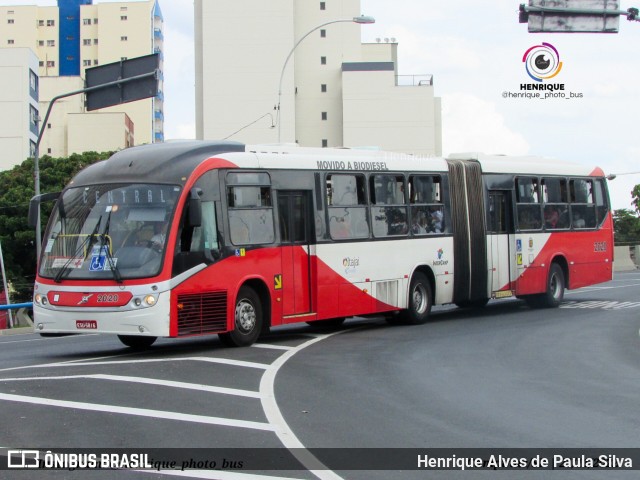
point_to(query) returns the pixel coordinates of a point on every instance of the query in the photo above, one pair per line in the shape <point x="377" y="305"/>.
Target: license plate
<point x="86" y="325"/>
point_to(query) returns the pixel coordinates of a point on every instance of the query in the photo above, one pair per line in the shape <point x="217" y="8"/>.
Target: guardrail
<point x="16" y="305"/>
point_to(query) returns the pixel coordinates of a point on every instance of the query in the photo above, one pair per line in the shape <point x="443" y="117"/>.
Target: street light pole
<point x="362" y="19"/>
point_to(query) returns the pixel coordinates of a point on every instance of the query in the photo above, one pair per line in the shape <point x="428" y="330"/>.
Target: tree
<point x="16" y="190"/>
<point x="626" y="226"/>
<point x="635" y="195"/>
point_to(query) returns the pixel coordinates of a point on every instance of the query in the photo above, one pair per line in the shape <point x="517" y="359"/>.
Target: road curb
<point x="16" y="331"/>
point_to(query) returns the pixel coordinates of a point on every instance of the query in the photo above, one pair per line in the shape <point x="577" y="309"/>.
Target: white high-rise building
<point x="74" y="36"/>
<point x="335" y="90"/>
<point x="19" y="91"/>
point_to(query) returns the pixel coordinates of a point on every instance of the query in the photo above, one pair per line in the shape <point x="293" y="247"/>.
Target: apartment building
<point x="76" y="35"/>
<point x="19" y="93"/>
<point x="333" y="91"/>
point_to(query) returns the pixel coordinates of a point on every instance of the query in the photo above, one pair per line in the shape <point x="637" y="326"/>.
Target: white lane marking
<point x="141" y="412"/>
<point x="273" y="347"/>
<point x="588" y="289"/>
<point x="81" y="363"/>
<point x="275" y="417"/>
<point x="147" y="381"/>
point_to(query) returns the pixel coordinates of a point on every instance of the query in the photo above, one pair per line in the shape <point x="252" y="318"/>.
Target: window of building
<point x="41" y="63"/>
<point x="123" y="17"/>
<point x="323" y="88"/>
<point x="123" y="59"/>
<point x="70" y="18"/>
<point x="10" y="21"/>
<point x="124" y="38"/>
<point x="33" y="117"/>
<point x="70" y="38"/>
<point x="325" y="143"/>
<point x="347" y="206"/>
<point x="323" y="115"/>
<point x="51" y="63"/>
<point x="95" y="21"/>
<point x="86" y="63"/>
<point x="32" y="148"/>
<point x="323" y="5"/>
<point x="48" y="150"/>
<point x="33" y="83"/>
<point x="123" y="9"/>
<point x="70" y="58"/>
<point x="86" y="42"/>
<point x="86" y="21"/>
<point x="41" y="23"/>
<point x="51" y="43"/>
<point x="95" y="62"/>
<point x="323" y="33"/>
<point x="51" y="23"/>
<point x="10" y="42"/>
<point x="41" y="43"/>
<point x="323" y="60"/>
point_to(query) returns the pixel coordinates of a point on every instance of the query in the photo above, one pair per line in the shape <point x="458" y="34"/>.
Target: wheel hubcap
<point x="420" y="300"/>
<point x="245" y="316"/>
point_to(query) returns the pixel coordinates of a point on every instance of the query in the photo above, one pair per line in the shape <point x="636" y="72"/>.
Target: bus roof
<point x="171" y="162"/>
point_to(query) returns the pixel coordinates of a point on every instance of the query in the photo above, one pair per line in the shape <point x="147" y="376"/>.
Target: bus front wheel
<point x="420" y="300"/>
<point x="247" y="320"/>
<point x="137" y="342"/>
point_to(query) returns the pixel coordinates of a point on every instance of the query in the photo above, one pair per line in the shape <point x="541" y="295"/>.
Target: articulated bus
<point x="194" y="238"/>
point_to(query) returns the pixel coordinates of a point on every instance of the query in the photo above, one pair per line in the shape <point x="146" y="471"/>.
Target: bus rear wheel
<point x="247" y="320"/>
<point x="554" y="292"/>
<point x="137" y="342"/>
<point x="420" y="300"/>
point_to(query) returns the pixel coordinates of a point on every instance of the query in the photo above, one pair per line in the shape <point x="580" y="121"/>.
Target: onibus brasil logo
<point x="542" y="62"/>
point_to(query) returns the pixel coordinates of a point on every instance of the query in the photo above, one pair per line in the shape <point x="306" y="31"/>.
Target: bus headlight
<point x="38" y="298"/>
<point x="150" y="300"/>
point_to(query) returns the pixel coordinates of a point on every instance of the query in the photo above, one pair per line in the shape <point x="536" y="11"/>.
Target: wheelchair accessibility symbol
<point x="97" y="263"/>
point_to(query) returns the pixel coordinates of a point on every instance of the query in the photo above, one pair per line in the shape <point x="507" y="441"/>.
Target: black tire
<point x="554" y="293"/>
<point x="420" y="300"/>
<point x="473" y="303"/>
<point x="248" y="319"/>
<point x="137" y="342"/>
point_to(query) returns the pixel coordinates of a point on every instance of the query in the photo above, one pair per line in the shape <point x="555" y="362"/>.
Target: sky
<point x="474" y="50"/>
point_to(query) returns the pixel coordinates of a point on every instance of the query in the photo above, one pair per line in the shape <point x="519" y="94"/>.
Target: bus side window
<point x="583" y="208"/>
<point x="346" y="201"/>
<point x="602" y="203"/>
<point x="250" y="209"/>
<point x="388" y="207"/>
<point x="556" y="208"/>
<point x="427" y="210"/>
<point x="528" y="203"/>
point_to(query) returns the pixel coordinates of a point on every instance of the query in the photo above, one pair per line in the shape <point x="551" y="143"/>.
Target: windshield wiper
<point x="112" y="262"/>
<point x="87" y="242"/>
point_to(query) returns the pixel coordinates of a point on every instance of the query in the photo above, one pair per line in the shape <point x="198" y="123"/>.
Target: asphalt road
<point x="505" y="376"/>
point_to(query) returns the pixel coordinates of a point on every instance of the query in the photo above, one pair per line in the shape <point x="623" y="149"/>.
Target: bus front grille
<point x="202" y="313"/>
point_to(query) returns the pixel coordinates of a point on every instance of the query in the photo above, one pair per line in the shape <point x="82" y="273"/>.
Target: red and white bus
<point x="195" y="238"/>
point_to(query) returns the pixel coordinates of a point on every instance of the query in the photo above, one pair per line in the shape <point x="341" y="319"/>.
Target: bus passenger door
<point x="501" y="237"/>
<point x="294" y="211"/>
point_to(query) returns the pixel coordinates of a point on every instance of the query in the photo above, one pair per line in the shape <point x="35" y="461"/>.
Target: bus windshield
<point x="108" y="232"/>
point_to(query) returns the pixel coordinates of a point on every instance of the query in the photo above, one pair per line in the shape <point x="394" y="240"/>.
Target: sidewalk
<point x="16" y="331"/>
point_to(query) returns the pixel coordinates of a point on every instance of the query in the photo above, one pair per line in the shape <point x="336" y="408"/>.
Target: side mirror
<point x="195" y="208"/>
<point x="34" y="206"/>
